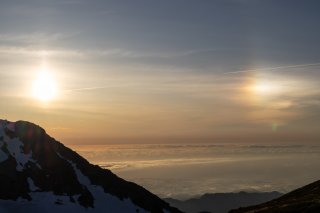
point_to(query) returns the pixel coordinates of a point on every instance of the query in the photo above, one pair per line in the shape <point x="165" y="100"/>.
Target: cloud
<point x="34" y="38"/>
<point x="30" y="44"/>
<point x="38" y="52"/>
<point x="285" y="67"/>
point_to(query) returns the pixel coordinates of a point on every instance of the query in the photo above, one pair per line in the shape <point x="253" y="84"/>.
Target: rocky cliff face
<point x="305" y="199"/>
<point x="39" y="174"/>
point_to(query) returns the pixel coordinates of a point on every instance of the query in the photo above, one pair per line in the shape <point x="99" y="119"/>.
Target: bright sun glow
<point x="262" y="87"/>
<point x="44" y="87"/>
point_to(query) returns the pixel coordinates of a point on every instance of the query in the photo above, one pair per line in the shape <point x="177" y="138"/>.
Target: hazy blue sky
<point x="223" y="70"/>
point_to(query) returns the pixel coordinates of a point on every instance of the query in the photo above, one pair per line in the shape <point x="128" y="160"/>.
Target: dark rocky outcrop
<point x="303" y="200"/>
<point x="222" y="202"/>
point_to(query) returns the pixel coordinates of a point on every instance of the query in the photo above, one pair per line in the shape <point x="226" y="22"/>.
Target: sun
<point x="44" y="87"/>
<point x="263" y="88"/>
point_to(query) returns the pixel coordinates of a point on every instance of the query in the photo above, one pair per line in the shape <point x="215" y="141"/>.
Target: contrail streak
<point x="272" y="68"/>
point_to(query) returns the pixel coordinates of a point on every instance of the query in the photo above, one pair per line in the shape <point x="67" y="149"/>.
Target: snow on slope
<point x="32" y="186"/>
<point x="14" y="146"/>
<point x="39" y="200"/>
<point x="47" y="201"/>
<point x="114" y="203"/>
<point x="50" y="203"/>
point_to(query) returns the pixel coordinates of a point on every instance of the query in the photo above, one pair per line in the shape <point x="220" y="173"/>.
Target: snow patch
<point x="104" y="202"/>
<point x="42" y="202"/>
<point x="14" y="146"/>
<point x="48" y="202"/>
<point x="32" y="186"/>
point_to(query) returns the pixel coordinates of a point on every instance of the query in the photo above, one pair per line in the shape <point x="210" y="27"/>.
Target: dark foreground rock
<point x="222" y="202"/>
<point x="303" y="200"/>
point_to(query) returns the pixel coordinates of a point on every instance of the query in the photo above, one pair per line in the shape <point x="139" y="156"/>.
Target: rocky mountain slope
<point x="222" y="202"/>
<point x="39" y="174"/>
<point x="303" y="200"/>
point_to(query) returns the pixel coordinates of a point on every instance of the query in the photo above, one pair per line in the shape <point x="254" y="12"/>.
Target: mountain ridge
<point x="305" y="199"/>
<point x="222" y="202"/>
<point x="32" y="162"/>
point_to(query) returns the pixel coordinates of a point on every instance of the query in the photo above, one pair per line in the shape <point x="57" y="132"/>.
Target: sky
<point x="217" y="71"/>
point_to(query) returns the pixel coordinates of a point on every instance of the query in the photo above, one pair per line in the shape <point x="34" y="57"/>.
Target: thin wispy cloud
<point x="274" y="68"/>
<point x="35" y="38"/>
<point x="34" y="51"/>
<point x="37" y="52"/>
